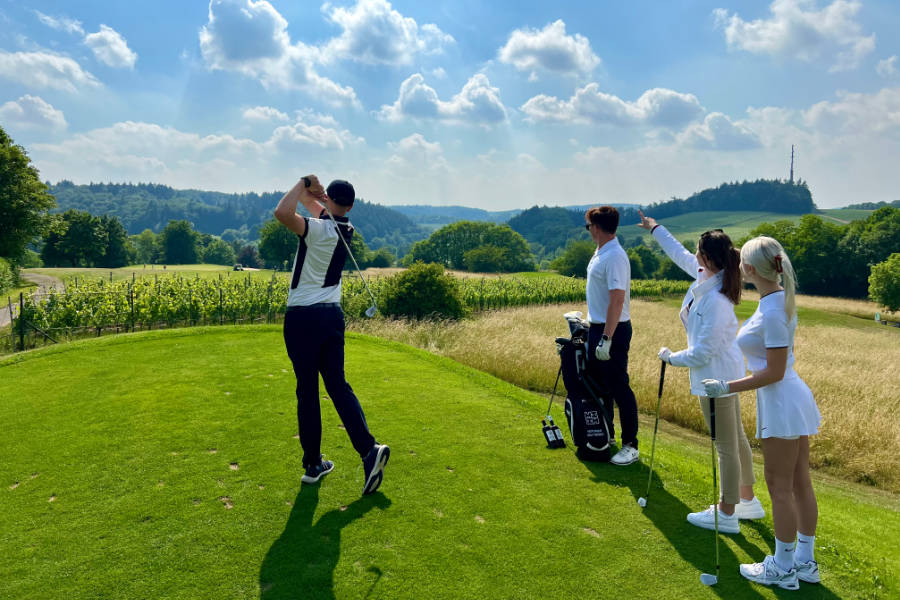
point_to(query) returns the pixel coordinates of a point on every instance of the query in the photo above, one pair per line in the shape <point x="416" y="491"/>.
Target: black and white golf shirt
<point x="320" y="261"/>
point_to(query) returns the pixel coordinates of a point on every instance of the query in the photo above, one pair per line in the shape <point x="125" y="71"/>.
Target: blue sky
<point x="493" y="104"/>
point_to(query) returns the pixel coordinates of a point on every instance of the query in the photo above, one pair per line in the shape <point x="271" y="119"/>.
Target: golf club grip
<point x="712" y="417"/>
<point x="662" y="377"/>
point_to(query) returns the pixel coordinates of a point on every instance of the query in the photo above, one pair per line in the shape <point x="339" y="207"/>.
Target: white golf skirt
<point x="786" y="409"/>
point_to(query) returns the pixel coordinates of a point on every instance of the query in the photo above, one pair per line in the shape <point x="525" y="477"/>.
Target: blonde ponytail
<point x="771" y="262"/>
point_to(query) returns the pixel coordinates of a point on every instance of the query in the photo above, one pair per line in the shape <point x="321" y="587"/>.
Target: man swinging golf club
<point x="314" y="324"/>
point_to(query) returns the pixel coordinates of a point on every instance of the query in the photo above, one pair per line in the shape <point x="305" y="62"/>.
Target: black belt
<point x="604" y="324"/>
<point x="297" y="308"/>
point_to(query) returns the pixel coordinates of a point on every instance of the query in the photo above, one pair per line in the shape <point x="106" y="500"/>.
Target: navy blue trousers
<point x="614" y="374"/>
<point x="314" y="338"/>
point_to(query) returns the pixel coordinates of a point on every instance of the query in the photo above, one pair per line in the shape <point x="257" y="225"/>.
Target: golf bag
<point x="586" y="398"/>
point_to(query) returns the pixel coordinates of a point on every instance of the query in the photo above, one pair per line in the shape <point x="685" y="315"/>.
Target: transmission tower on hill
<point x="792" y="163"/>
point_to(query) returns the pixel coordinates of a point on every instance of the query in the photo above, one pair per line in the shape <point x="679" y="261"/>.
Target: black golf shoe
<point x="373" y="464"/>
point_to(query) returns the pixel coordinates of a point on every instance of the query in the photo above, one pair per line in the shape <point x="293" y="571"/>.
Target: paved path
<point x="44" y="284"/>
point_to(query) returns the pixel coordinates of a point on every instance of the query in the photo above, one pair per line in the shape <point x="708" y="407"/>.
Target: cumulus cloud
<point x="60" y="23"/>
<point x="43" y="70"/>
<point x="264" y="114"/>
<point x="718" y="132"/>
<point x="887" y="67"/>
<point x="857" y="114"/>
<point x="251" y="38"/>
<point x="658" y="107"/>
<point x="111" y="48"/>
<point x="415" y="155"/>
<point x="300" y="134"/>
<point x="32" y="112"/>
<point x="797" y="30"/>
<point x="549" y="49"/>
<point x="477" y="103"/>
<point x="375" y="33"/>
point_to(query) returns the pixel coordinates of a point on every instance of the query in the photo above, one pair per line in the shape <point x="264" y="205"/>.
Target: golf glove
<point x="664" y="354"/>
<point x="716" y="388"/>
<point x="603" y="348"/>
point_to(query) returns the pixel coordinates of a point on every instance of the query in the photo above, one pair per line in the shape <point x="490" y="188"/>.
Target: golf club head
<point x="370" y="312"/>
<point x="642" y="502"/>
<point x="707" y="579"/>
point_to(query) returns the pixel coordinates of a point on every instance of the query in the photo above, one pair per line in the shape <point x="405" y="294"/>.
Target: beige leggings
<point x="735" y="456"/>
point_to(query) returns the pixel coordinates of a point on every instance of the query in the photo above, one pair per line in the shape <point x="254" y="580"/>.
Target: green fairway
<point x="689" y="226"/>
<point x="165" y="465"/>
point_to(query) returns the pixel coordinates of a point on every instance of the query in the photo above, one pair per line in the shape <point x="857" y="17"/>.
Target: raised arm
<point x="286" y="211"/>
<point x="672" y="247"/>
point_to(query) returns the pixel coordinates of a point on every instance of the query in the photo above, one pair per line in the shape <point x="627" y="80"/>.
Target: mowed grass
<point x="689" y="226"/>
<point x="164" y="465"/>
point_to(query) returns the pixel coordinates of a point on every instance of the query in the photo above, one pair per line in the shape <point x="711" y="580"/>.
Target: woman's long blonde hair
<point x="771" y="262"/>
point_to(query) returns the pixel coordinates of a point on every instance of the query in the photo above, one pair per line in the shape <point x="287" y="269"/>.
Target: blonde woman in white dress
<point x="786" y="415"/>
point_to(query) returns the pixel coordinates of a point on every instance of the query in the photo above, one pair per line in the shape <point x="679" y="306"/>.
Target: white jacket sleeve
<point x="709" y="339"/>
<point x="674" y="250"/>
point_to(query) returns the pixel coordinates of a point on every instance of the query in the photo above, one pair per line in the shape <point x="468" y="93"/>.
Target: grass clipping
<point x="850" y="372"/>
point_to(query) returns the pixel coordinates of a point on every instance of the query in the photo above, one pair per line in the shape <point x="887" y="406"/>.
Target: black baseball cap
<point x="341" y="192"/>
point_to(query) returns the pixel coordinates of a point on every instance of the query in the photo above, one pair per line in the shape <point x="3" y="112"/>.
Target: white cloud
<point x="111" y="48"/>
<point x="797" y="30"/>
<point x="655" y="107"/>
<point x="414" y="156"/>
<point x="374" y="33"/>
<point x="287" y="137"/>
<point x="42" y="70"/>
<point x="477" y="103"/>
<point x="251" y="38"/>
<point x="264" y="114"/>
<point x="32" y="112"/>
<point x="439" y="73"/>
<point x="718" y="132"/>
<point x="60" y="23"/>
<point x="887" y="67"/>
<point x="857" y="115"/>
<point x="549" y="49"/>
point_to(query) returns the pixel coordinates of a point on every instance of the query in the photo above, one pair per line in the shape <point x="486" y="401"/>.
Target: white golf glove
<point x="664" y="354"/>
<point x="603" y="348"/>
<point x="716" y="388"/>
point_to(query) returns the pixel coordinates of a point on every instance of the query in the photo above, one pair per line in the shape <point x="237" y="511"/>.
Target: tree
<point x="277" y="243"/>
<point x="218" y="252"/>
<point x="146" y="246"/>
<point x="669" y="270"/>
<point x="649" y="260"/>
<point x="24" y="200"/>
<point x="249" y="257"/>
<point x="448" y="245"/>
<point x="485" y="259"/>
<point x="119" y="251"/>
<point x="360" y="251"/>
<point x="178" y="243"/>
<point x="884" y="283"/>
<point x="382" y="258"/>
<point x="637" y="265"/>
<point x="574" y="259"/>
<point x="866" y="243"/>
<point x="76" y="239"/>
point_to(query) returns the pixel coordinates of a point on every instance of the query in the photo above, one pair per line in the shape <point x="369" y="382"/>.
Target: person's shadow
<point x="301" y="563"/>
<point x="696" y="546"/>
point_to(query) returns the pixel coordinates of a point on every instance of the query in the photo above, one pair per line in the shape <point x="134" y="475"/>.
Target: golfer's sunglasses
<point x="588" y="226"/>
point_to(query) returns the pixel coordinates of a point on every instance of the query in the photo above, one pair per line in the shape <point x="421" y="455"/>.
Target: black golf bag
<point x="586" y="397"/>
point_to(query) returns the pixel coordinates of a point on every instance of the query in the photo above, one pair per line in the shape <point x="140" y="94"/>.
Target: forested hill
<point x="151" y="206"/>
<point x="551" y="228"/>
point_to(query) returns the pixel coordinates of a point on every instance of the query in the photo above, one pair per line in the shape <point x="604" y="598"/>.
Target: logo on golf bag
<point x="591" y="417"/>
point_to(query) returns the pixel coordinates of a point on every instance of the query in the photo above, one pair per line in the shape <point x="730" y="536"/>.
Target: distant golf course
<point x="164" y="465"/>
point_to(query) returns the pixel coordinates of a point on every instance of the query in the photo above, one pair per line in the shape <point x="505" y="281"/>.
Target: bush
<point x="573" y="262"/>
<point x="884" y="282"/>
<point x="7" y="276"/>
<point x="382" y="258"/>
<point x="637" y="265"/>
<point x="669" y="270"/>
<point x="218" y="252"/>
<point x="421" y="291"/>
<point x="31" y="260"/>
<point x="485" y="259"/>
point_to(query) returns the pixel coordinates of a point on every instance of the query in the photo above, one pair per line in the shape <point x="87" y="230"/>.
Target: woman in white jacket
<point x="707" y="313"/>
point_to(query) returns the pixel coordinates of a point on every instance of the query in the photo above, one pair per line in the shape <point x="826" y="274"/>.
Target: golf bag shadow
<point x="586" y="397"/>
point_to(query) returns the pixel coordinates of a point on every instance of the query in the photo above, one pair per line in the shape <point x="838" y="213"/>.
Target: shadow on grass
<point x="697" y="546"/>
<point x="301" y="563"/>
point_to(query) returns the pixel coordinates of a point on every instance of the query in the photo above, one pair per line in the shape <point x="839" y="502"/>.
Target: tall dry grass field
<point x="852" y="374"/>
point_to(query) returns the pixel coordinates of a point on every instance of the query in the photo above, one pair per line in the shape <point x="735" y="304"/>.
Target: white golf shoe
<point x="707" y="520"/>
<point x="808" y="571"/>
<point x="625" y="456"/>
<point x="768" y="572"/>
<point x="752" y="509"/>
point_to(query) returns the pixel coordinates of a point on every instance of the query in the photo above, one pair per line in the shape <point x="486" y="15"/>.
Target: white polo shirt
<point x="609" y="269"/>
<point x="319" y="261"/>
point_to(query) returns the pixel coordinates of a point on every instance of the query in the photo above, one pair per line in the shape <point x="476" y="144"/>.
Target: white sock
<point x="806" y="544"/>
<point x="784" y="554"/>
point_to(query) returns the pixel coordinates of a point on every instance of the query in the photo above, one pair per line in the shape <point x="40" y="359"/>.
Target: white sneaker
<point x="749" y="509"/>
<point x="625" y="456"/>
<point x="707" y="520"/>
<point x="808" y="571"/>
<point x="768" y="572"/>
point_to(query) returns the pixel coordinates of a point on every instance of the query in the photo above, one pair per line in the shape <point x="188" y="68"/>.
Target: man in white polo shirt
<point x="314" y="325"/>
<point x="608" y="298"/>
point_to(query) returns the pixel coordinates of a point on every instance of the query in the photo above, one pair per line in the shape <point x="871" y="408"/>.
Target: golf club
<point x="552" y="432"/>
<point x="642" y="502"/>
<point x="370" y="312"/>
<point x="706" y="578"/>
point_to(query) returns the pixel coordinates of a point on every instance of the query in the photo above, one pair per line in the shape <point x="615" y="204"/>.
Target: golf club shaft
<point x="353" y="258"/>
<point x="712" y="448"/>
<point x="553" y="393"/>
<point x="662" y="377"/>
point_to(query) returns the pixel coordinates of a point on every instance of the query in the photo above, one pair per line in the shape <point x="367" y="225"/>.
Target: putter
<point x="707" y="578"/>
<point x="642" y="502"/>
<point x="370" y="312"/>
